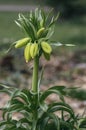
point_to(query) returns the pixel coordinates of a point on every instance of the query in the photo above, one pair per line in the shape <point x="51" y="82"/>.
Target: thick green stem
<point x="35" y="75"/>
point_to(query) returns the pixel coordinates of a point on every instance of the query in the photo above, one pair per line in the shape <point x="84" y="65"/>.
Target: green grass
<point x="8" y="27"/>
<point x="70" y="33"/>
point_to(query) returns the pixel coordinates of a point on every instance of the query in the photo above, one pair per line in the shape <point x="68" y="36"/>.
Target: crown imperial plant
<point x="36" y="113"/>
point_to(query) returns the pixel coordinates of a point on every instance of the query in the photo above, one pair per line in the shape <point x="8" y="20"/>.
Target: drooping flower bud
<point x="27" y="52"/>
<point x="46" y="47"/>
<point x="34" y="50"/>
<point x="22" y="42"/>
<point x="40" y="32"/>
<point x="46" y="55"/>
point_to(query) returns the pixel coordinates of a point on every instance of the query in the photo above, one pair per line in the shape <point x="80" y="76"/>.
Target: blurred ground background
<point x="67" y="65"/>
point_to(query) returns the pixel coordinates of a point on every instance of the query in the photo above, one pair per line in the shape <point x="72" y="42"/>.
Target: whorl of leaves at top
<point x="34" y="22"/>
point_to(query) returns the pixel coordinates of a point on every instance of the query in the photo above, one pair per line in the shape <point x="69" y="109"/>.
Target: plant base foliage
<point x="36" y="113"/>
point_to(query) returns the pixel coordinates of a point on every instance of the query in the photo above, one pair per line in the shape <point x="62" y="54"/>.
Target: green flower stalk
<point x="35" y="75"/>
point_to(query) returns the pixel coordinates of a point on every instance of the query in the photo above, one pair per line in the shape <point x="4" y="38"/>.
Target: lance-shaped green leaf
<point x="67" y="125"/>
<point x="49" y="121"/>
<point x="61" y="89"/>
<point x="50" y="91"/>
<point x="50" y="32"/>
<point x="61" y="106"/>
<point x="27" y="24"/>
<point x="53" y="20"/>
<point x="7" y="89"/>
<point x="82" y="123"/>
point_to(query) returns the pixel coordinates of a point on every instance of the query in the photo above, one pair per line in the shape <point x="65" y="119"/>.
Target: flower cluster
<point x="33" y="49"/>
<point x="39" y="31"/>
